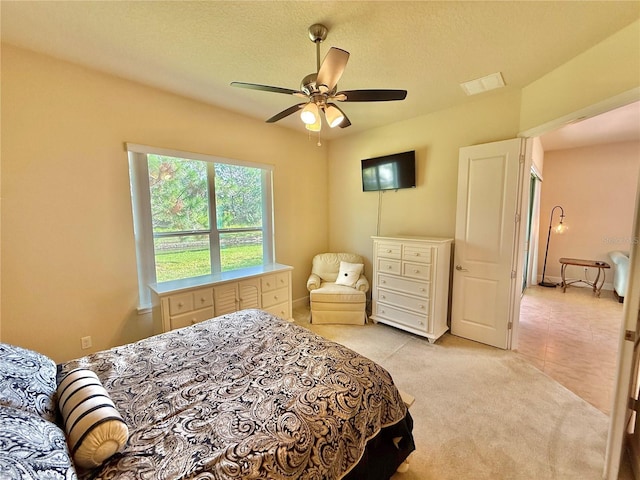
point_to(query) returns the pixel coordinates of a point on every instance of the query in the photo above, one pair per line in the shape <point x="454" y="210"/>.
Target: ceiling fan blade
<point x="285" y="113"/>
<point x="264" y="88"/>
<point x="332" y="68"/>
<point x="371" y="95"/>
<point x="345" y="122"/>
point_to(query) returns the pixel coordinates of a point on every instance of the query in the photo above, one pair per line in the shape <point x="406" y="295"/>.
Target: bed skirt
<point x="384" y="453"/>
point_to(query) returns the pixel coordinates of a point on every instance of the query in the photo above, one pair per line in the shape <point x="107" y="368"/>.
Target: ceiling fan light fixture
<point x="333" y="115"/>
<point x="310" y="114"/>
<point x="314" y="127"/>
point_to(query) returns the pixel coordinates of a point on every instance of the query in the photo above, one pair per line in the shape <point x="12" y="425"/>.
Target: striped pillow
<point x="95" y="430"/>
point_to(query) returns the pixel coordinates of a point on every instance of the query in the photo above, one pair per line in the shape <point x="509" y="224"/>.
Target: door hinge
<point x="522" y="158"/>
<point x="630" y="336"/>
<point x="513" y="274"/>
<point x="510" y="325"/>
<point x="517" y="218"/>
<point x="633" y="404"/>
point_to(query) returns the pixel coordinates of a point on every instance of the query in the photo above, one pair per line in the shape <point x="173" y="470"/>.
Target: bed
<point x="245" y="396"/>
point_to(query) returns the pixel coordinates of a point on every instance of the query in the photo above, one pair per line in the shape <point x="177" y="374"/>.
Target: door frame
<point x="625" y="366"/>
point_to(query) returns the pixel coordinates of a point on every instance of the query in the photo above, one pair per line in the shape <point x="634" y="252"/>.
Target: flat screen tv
<point x="390" y="172"/>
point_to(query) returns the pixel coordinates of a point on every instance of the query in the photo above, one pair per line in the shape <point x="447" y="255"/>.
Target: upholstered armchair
<point x="621" y="273"/>
<point x="337" y="289"/>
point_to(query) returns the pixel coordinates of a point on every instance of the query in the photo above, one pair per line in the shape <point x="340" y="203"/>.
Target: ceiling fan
<point x="320" y="89"/>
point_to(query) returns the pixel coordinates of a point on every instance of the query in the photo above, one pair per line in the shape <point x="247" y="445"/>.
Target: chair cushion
<point x="349" y="273"/>
<point x="329" y="292"/>
<point x="327" y="265"/>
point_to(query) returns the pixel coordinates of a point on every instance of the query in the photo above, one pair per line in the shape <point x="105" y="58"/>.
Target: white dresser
<point x="181" y="303"/>
<point x="411" y="284"/>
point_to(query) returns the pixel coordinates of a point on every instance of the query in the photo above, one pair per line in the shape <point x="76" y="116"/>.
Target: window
<point x="197" y="215"/>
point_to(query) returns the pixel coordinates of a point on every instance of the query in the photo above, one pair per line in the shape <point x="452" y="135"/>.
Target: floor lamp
<point x="559" y="229"/>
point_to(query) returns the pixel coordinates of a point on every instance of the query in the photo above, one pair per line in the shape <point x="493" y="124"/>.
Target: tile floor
<point x="573" y="337"/>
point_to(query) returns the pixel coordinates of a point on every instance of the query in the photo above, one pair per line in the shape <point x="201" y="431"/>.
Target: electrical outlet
<point x="85" y="342"/>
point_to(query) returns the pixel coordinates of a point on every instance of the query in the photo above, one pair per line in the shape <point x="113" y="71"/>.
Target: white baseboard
<point x="300" y="302"/>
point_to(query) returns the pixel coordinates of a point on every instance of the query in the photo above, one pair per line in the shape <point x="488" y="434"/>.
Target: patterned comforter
<point x="242" y="396"/>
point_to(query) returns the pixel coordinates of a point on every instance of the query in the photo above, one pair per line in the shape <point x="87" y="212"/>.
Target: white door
<point x="628" y="364"/>
<point x="486" y="241"/>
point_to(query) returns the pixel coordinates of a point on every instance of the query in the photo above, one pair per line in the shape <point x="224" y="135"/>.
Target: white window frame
<point x="141" y="208"/>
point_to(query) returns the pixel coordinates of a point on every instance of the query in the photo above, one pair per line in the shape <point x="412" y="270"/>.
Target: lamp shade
<point x="310" y="114"/>
<point x="560" y="228"/>
<point x="314" y="127"/>
<point x="333" y="115"/>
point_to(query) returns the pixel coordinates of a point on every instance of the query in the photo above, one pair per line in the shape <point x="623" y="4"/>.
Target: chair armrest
<point x="619" y="258"/>
<point x="362" y="284"/>
<point x="313" y="282"/>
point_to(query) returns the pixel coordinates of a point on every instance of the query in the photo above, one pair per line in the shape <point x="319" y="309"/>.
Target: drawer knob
<point x="275" y="297"/>
<point x="382" y="296"/>
<point x="383" y="281"/>
<point x="193" y="321"/>
<point x="422" y="307"/>
<point x="389" y="267"/>
<point x="180" y="304"/>
<point x="388" y="250"/>
<point x="202" y="299"/>
<point x="422" y="289"/>
<point x="416" y="270"/>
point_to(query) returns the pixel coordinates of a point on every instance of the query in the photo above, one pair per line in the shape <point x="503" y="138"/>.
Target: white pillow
<point x="349" y="273"/>
<point x="95" y="429"/>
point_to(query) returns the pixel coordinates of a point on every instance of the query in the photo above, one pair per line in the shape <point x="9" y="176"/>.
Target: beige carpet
<point x="480" y="412"/>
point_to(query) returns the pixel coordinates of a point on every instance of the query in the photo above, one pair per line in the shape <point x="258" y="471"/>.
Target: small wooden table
<point x="601" y="266"/>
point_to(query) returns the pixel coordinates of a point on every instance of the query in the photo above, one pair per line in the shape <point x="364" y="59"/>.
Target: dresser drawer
<point x="203" y="298"/>
<point x="280" y="310"/>
<point x="417" y="253"/>
<point x="269" y="282"/>
<point x="389" y="250"/>
<point x="188" y="301"/>
<point x="191" y="318"/>
<point x="389" y="266"/>
<point x="274" y="297"/>
<point x="403" y="317"/>
<point x="282" y="280"/>
<point x="421" y="271"/>
<point x="420" y="305"/>
<point x="404" y="285"/>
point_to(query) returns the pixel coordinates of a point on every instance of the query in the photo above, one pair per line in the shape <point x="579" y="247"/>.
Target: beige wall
<point x="608" y="69"/>
<point x="596" y="187"/>
<point x="430" y="208"/>
<point x="68" y="256"/>
<point x="68" y="259"/>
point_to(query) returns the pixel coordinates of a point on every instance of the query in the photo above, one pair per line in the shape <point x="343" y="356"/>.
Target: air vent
<point x="484" y="84"/>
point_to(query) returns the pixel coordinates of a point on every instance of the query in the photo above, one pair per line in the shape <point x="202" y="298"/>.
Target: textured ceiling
<point x="196" y="49"/>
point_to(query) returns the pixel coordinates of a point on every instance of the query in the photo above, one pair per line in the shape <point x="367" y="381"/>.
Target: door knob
<point x="460" y="269"/>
